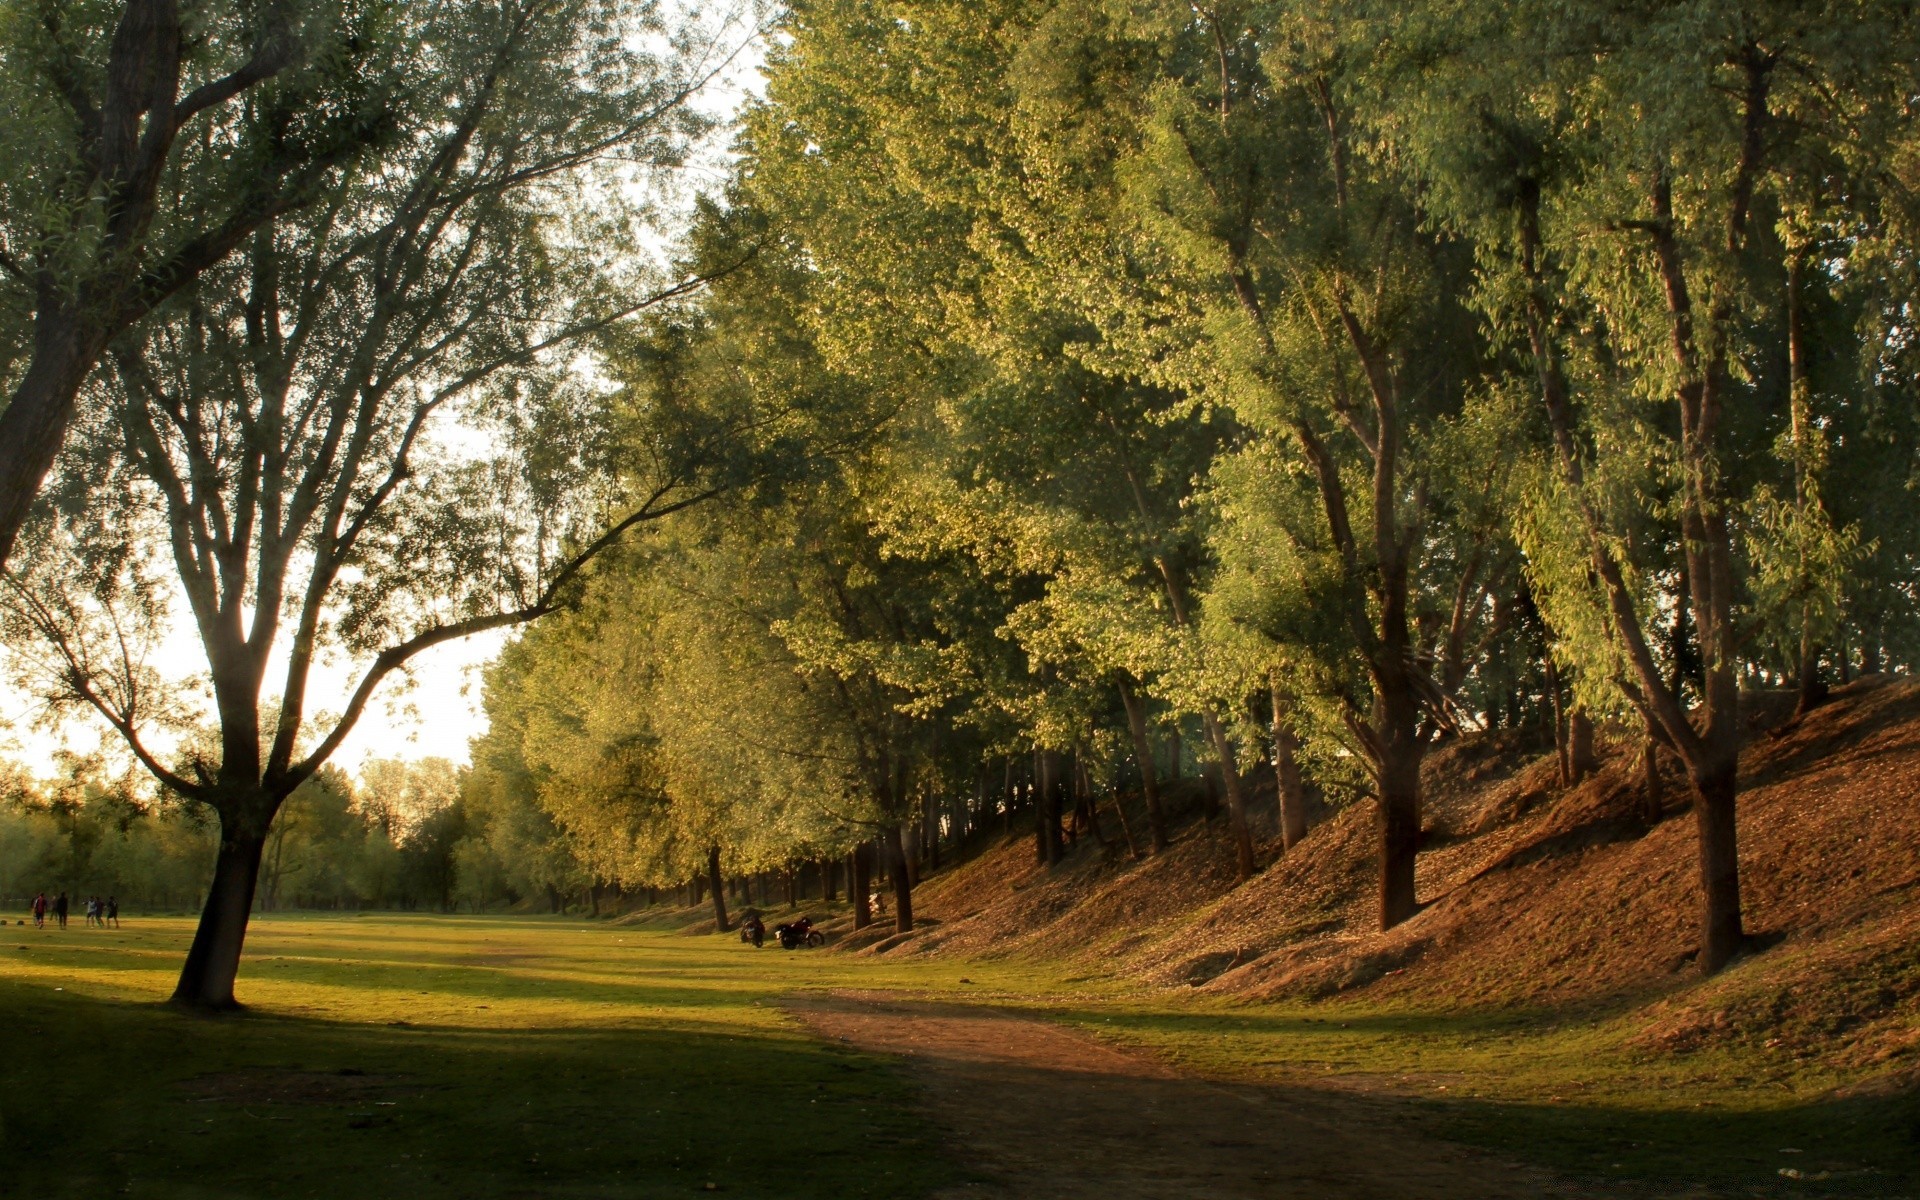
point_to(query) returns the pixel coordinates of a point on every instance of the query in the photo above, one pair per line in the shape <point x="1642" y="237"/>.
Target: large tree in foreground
<point x="146" y="141"/>
<point x="379" y="426"/>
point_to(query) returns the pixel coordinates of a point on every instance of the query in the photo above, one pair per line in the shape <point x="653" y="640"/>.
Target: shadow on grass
<point x="102" y="1098"/>
<point x="1734" y="1141"/>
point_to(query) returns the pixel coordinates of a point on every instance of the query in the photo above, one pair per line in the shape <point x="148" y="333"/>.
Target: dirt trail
<point x="1047" y="1113"/>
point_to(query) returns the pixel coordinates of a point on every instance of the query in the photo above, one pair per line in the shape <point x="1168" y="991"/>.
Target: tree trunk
<point x="902" y="885"/>
<point x="860" y="885"/>
<point x="1286" y="769"/>
<point x="720" y="921"/>
<point x="793" y="899"/>
<point x="1143" y="754"/>
<point x="35" y="421"/>
<point x="1046" y="808"/>
<point x="1399" y="836"/>
<point x="1236" y="799"/>
<point x="828" y="885"/>
<point x="1580" y="759"/>
<point x="930" y="830"/>
<point x="1714" y="794"/>
<point x="1559" y="722"/>
<point x="1653" y="792"/>
<point x="1813" y="691"/>
<point x="213" y="961"/>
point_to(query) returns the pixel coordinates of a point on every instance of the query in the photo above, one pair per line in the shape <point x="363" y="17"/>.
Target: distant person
<point x="93" y="912"/>
<point x="113" y="912"/>
<point x="40" y="911"/>
<point x="60" y="909"/>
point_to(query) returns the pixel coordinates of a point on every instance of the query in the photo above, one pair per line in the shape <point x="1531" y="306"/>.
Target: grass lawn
<point x="434" y="1057"/>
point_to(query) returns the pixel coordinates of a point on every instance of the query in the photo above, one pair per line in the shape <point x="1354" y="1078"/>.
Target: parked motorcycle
<point x="795" y="934"/>
<point x="751" y="930"/>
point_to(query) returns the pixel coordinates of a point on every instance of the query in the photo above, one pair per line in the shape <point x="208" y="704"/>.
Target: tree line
<point x="405" y="835"/>
<point x="1300" y="383"/>
<point x="1059" y="398"/>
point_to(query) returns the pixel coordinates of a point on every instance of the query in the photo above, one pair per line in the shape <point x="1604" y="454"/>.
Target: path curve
<point x="1045" y="1112"/>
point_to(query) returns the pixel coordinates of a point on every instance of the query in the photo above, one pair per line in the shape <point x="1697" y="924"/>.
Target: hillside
<point x="1533" y="898"/>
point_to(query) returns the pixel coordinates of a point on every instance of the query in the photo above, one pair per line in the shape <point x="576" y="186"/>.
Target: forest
<point x="1050" y="415"/>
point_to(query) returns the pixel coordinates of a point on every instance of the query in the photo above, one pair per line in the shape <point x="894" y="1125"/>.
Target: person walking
<point x="60" y="909"/>
<point x="40" y="911"/>
<point x="113" y="912"/>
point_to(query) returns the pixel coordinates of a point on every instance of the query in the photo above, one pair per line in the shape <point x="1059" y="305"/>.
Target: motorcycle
<point x="752" y="931"/>
<point x="796" y="934"/>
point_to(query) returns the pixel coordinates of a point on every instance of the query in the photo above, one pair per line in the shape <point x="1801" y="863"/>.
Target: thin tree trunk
<point x="720" y="921"/>
<point x="1560" y="750"/>
<point x="213" y="960"/>
<point x="902" y="885"/>
<point x="1236" y="799"/>
<point x="1580" y="758"/>
<point x="1653" y="792"/>
<point x="860" y="885"/>
<point x="829" y="889"/>
<point x="1143" y="754"/>
<point x="1286" y="769"/>
<point x="1813" y="691"/>
<point x="1083" y="801"/>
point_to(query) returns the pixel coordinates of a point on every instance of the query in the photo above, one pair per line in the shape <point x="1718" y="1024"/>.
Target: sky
<point x="432" y="707"/>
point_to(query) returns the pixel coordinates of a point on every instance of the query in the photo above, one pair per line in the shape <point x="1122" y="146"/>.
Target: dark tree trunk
<point x="1559" y="722"/>
<point x="1243" y="860"/>
<point x="1653" y="792"/>
<point x="213" y="960"/>
<point x="1399" y="837"/>
<point x="1083" y="802"/>
<point x="1580" y="759"/>
<point x="933" y="832"/>
<point x="1813" y="690"/>
<point x="1046" y="808"/>
<point x="1149" y="772"/>
<point x="1714" y="794"/>
<point x="1286" y="769"/>
<point x="860" y="885"/>
<point x="1396" y="724"/>
<point x="902" y="885"/>
<point x="720" y="921"/>
<point x="829" y="888"/>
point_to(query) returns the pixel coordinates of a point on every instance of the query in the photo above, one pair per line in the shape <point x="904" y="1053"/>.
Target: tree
<point x="147" y="144"/>
<point x="282" y="430"/>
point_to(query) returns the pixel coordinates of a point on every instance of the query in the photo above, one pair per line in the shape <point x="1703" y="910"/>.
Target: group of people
<point x="99" y="912"/>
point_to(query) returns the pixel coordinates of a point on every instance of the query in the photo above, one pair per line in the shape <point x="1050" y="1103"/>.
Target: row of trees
<point x="406" y="835"/>
<point x="1055" y="382"/>
<point x="1314" y="380"/>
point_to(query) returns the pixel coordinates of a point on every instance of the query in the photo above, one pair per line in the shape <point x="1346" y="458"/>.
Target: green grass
<point x="1560" y="1089"/>
<point x="542" y="1057"/>
<point x="509" y="1057"/>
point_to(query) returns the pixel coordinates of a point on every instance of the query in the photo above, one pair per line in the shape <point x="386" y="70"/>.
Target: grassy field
<point x="435" y="1056"/>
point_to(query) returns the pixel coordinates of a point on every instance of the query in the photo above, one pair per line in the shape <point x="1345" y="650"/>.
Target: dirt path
<point x="1047" y="1113"/>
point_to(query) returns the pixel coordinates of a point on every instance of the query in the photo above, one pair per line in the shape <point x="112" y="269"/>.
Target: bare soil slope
<point x="1533" y="896"/>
